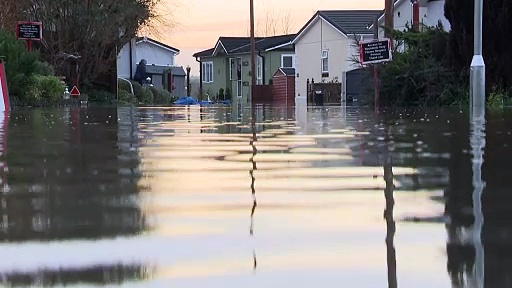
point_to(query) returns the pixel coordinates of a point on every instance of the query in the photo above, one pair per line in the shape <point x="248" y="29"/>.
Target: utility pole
<point x="376" y="67"/>
<point x="477" y="78"/>
<point x="389" y="11"/>
<point x="253" y="51"/>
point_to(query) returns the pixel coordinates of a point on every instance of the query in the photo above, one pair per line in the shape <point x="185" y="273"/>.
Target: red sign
<point x="4" y="93"/>
<point x="29" y="30"/>
<point x="74" y="91"/>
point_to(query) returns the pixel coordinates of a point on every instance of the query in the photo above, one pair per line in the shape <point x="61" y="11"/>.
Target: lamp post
<point x="188" y="80"/>
<point x="477" y="78"/>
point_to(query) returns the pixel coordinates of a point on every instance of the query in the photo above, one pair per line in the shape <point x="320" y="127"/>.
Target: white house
<point x="434" y="12"/>
<point x="408" y="12"/>
<point x="325" y="46"/>
<point x="155" y="53"/>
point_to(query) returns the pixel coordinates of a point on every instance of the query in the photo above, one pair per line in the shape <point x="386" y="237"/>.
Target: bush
<point x="40" y="91"/>
<point x="20" y="66"/>
<point x="124" y="86"/>
<point x="126" y="97"/>
<point x="228" y="94"/>
<point x="101" y="96"/>
<point x="421" y="74"/>
<point x="161" y="96"/>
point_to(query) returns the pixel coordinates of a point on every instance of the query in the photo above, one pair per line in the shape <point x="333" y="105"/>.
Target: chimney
<point x="416" y="15"/>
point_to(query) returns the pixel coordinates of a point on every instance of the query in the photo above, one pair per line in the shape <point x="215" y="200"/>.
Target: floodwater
<point x="300" y="197"/>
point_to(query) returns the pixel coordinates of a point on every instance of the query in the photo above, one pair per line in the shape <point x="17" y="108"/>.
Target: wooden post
<point x="376" y="67"/>
<point x="253" y="51"/>
<point x="29" y="45"/>
<point x="389" y="17"/>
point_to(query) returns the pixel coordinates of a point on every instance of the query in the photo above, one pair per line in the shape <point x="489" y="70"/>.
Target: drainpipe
<point x="200" y="78"/>
<point x="131" y="60"/>
<point x="262" y="67"/>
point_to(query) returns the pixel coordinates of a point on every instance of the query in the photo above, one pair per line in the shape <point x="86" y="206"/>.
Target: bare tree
<point x="273" y="21"/>
<point x="89" y="30"/>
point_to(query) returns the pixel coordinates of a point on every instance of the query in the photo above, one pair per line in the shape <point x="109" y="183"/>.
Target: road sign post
<point x="29" y="31"/>
<point x="374" y="52"/>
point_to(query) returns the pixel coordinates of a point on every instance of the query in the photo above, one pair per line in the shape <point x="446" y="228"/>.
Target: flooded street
<point x="206" y="197"/>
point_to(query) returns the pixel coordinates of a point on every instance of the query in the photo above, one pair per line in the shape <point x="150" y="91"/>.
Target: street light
<point x="477" y="78"/>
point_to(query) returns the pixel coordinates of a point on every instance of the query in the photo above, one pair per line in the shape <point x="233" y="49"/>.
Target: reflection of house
<point x="160" y="59"/>
<point x="324" y="46"/>
<point x="227" y="65"/>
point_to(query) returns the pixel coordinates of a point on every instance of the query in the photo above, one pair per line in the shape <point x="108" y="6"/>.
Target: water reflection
<point x="478" y="146"/>
<point x="70" y="174"/>
<point x="162" y="195"/>
<point x="390" y="222"/>
<point x="254" y="167"/>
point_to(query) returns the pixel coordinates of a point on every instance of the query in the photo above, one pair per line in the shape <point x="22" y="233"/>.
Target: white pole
<point x="477" y="78"/>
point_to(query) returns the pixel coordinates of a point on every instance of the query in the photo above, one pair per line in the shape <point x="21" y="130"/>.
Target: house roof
<point x="204" y="53"/>
<point x="157" y="43"/>
<point x="346" y="22"/>
<point x="286" y="71"/>
<point x="265" y="44"/>
<point x="178" y="71"/>
<point x="239" y="45"/>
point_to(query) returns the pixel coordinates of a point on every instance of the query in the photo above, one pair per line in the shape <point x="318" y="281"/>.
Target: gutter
<point x="131" y="60"/>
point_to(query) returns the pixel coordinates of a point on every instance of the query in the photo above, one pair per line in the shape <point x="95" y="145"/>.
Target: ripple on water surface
<point x="197" y="197"/>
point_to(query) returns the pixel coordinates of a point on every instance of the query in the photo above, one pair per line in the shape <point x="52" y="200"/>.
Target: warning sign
<point x="74" y="92"/>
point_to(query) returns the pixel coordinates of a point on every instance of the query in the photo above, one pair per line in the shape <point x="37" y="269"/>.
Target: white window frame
<point x="287" y="55"/>
<point x="232" y="69"/>
<point x="207" y="72"/>
<point x="259" y="70"/>
<point x="325" y="57"/>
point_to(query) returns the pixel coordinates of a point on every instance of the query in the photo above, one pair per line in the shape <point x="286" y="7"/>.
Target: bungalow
<point x="410" y="12"/>
<point x="227" y="65"/>
<point x="324" y="47"/>
<point x="160" y="59"/>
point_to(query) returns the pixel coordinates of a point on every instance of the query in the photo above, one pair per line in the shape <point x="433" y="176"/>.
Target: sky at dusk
<point x="199" y="23"/>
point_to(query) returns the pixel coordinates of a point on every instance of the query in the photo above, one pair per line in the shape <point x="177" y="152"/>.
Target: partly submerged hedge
<point x="31" y="82"/>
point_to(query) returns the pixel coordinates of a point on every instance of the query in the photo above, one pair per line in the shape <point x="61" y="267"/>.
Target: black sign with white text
<point x="29" y="30"/>
<point x="375" y="51"/>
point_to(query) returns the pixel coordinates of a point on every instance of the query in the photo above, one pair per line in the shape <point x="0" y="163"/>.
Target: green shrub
<point x="30" y="81"/>
<point x="160" y="96"/>
<point x="126" y="97"/>
<point x="139" y="91"/>
<point x="420" y="75"/>
<point x="124" y="86"/>
<point x="50" y="87"/>
<point x="101" y="96"/>
<point x="148" y="97"/>
<point x="228" y="94"/>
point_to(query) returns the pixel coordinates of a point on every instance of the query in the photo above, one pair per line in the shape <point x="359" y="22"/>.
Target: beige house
<point x="325" y="46"/>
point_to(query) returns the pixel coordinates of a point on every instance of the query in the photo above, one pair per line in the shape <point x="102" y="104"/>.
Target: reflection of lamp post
<point x="188" y="81"/>
<point x="477" y="142"/>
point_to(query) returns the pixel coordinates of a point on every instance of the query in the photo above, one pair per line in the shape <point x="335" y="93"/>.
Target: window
<point x="207" y="72"/>
<point x="287" y="61"/>
<point x="325" y="61"/>
<point x="232" y="69"/>
<point x="259" y="71"/>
